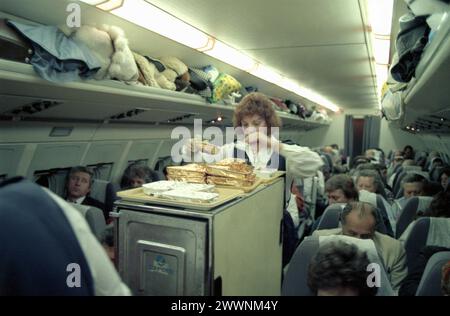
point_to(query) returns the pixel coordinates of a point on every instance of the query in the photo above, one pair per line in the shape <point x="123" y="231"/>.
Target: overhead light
<point x="381" y="48"/>
<point x="268" y="74"/>
<point x="380" y="19"/>
<point x="150" y="17"/>
<point x="156" y="20"/>
<point x="407" y="127"/>
<point x="231" y="56"/>
<point x="219" y="119"/>
<point x="110" y="5"/>
<point x="380" y="16"/>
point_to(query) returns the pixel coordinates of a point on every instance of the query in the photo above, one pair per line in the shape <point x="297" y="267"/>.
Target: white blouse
<point x="301" y="162"/>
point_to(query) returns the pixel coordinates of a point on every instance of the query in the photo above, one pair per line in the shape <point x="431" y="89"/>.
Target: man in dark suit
<point x="78" y="186"/>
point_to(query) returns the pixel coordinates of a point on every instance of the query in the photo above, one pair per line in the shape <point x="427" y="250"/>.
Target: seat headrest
<point x="424" y="203"/>
<point x="368" y="197"/>
<point x="438" y="232"/>
<point x="368" y="246"/>
<point x="430" y="284"/>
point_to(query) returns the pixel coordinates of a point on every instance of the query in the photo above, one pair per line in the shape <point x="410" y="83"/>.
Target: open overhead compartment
<point x="423" y="106"/>
<point x="26" y="96"/>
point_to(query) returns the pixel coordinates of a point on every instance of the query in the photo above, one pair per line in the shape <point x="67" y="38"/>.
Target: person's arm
<point x="399" y="269"/>
<point x="192" y="152"/>
<point x="301" y="161"/>
<point x="107" y="281"/>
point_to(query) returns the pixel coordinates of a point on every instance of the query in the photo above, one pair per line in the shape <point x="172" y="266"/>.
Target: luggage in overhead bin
<point x="14" y="46"/>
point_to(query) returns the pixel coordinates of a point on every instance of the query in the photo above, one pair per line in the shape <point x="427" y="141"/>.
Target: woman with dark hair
<point x="136" y="175"/>
<point x="443" y="177"/>
<point x="408" y="152"/>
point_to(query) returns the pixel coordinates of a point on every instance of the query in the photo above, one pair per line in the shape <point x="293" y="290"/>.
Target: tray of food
<point x="163" y="186"/>
<point x="186" y="200"/>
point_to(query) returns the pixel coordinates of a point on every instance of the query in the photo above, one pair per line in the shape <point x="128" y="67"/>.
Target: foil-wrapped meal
<point x="189" y="196"/>
<point x="236" y="165"/>
<point x="187" y="178"/>
<point x="163" y="186"/>
<point x="190" y="168"/>
<point x="229" y="181"/>
<point x="224" y="171"/>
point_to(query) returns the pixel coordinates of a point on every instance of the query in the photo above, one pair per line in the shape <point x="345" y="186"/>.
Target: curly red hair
<point x="259" y="104"/>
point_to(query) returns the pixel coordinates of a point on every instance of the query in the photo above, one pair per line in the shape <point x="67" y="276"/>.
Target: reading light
<point x="219" y="119"/>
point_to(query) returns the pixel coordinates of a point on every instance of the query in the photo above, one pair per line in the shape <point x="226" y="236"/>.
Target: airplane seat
<point x="397" y="186"/>
<point x="430" y="283"/>
<point x="57" y="182"/>
<point x="38" y="253"/>
<point x="377" y="201"/>
<point x="435" y="172"/>
<point x="296" y="278"/>
<point x="427" y="231"/>
<point x="387" y="221"/>
<point x="94" y="217"/>
<point x="414" y="205"/>
<point x="331" y="217"/>
<point x="161" y="165"/>
<point x="104" y="192"/>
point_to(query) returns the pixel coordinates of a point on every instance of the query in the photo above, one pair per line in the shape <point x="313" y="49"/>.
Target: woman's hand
<point x="261" y="140"/>
<point x="196" y="145"/>
<point x="193" y="145"/>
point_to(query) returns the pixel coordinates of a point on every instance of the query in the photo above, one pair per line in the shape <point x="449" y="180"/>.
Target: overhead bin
<point x="424" y="103"/>
<point x="114" y="101"/>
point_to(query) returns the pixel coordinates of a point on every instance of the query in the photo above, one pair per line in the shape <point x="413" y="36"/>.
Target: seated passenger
<point x="78" y="186"/>
<point x="408" y="152"/>
<point x="411" y="282"/>
<point x="413" y="185"/>
<point x="341" y="189"/>
<point x="446" y="279"/>
<point x="55" y="256"/>
<point x="360" y="220"/>
<point x="370" y="180"/>
<point x="136" y="175"/>
<point x="439" y="207"/>
<point x="443" y="177"/>
<point x="340" y="269"/>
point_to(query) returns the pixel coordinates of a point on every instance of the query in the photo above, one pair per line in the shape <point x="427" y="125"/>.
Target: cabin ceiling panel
<point x="249" y="24"/>
<point x="340" y="73"/>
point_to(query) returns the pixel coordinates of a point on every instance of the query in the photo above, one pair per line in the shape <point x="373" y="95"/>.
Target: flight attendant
<point x="255" y="118"/>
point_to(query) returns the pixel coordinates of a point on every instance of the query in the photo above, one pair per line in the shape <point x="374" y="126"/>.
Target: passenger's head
<point x="359" y="220"/>
<point x="79" y="182"/>
<point x="437" y="162"/>
<point x="446" y="279"/>
<point x="440" y="205"/>
<point x="334" y="146"/>
<point x="136" y="175"/>
<point x="358" y="160"/>
<point x="340" y="269"/>
<point x="408" y="152"/>
<point x="369" y="180"/>
<point x="444" y="176"/>
<point x="341" y="189"/>
<point x="255" y="111"/>
<point x="371" y="154"/>
<point x="413" y="185"/>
